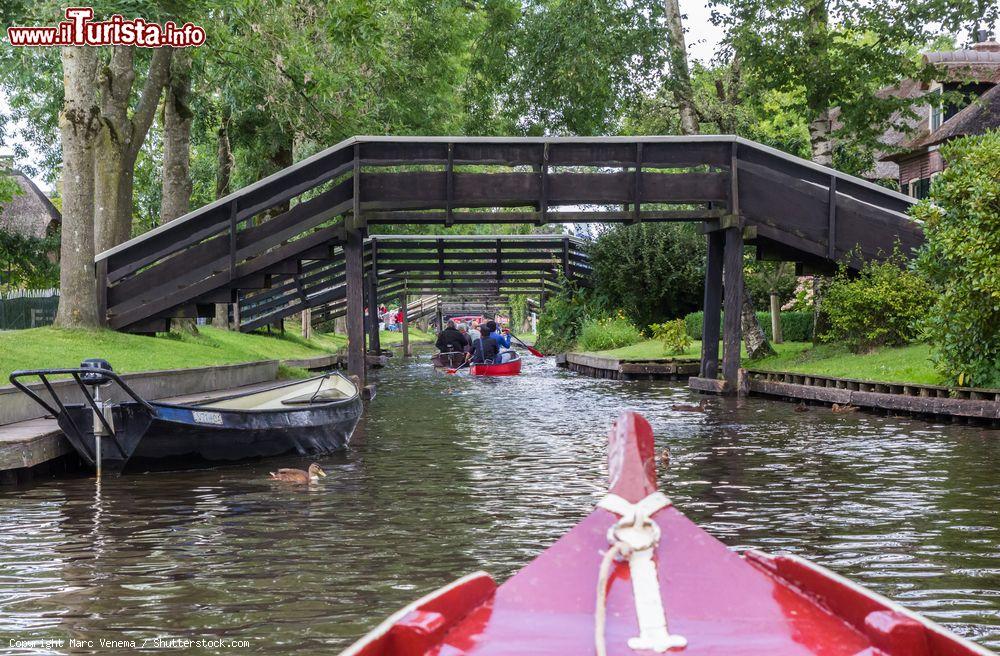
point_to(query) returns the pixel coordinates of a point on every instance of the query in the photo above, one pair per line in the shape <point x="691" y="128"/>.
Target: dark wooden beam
<point x="733" y="277"/>
<point x="354" y="269"/>
<point x="712" y="314"/>
<point x="831" y="232"/>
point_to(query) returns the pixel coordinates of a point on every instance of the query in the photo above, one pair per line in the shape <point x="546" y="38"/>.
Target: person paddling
<point x="450" y="340"/>
<point x="485" y="349"/>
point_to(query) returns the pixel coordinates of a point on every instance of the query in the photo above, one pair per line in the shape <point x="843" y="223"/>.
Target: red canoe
<point x="511" y="368"/>
<point x="680" y="590"/>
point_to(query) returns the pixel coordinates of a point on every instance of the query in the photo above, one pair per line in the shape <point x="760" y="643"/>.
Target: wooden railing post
<point x="374" y="339"/>
<point x="831" y="234"/>
<point x="101" y="275"/>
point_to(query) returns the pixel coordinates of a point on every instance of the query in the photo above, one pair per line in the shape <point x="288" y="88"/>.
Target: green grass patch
<point x="49" y="348"/>
<point x="905" y="364"/>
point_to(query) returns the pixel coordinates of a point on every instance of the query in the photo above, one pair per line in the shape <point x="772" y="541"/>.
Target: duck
<point x="843" y="408"/>
<point x="680" y="407"/>
<point x="801" y="407"/>
<point x="665" y="459"/>
<point x="299" y="476"/>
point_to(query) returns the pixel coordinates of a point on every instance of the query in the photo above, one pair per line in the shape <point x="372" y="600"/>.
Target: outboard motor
<point x="95" y="378"/>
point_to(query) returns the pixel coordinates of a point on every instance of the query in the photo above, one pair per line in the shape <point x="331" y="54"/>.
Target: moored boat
<point x="636" y="577"/>
<point x="509" y="368"/>
<point x="308" y="417"/>
<point x="448" y="359"/>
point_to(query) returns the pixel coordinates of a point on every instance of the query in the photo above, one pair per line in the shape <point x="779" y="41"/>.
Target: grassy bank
<point x="49" y="348"/>
<point x="907" y="364"/>
<point x="652" y="349"/>
<point x="41" y="348"/>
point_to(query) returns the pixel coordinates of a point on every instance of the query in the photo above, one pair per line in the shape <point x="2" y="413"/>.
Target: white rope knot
<point x="633" y="538"/>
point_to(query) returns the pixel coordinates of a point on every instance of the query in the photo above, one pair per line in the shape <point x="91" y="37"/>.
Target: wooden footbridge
<point x="268" y="240"/>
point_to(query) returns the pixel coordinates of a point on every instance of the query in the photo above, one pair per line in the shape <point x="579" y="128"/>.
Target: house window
<point x="919" y="187"/>
<point x="937" y="110"/>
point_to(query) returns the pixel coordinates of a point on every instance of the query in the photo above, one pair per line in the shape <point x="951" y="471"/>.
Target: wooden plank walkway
<point x="624" y="369"/>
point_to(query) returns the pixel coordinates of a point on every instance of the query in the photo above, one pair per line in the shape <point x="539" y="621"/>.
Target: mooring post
<point x="353" y="254"/>
<point x="712" y="315"/>
<point x="406" y="328"/>
<point x="440" y="315"/>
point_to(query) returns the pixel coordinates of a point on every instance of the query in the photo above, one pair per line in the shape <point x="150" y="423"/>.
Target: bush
<point x="961" y="256"/>
<point x="559" y="324"/>
<point x="674" y="336"/>
<point x="604" y="334"/>
<point x="795" y="326"/>
<point x="881" y="306"/>
<point x="649" y="271"/>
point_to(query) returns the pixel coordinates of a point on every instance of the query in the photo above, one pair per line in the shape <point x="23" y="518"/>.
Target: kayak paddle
<point x="462" y="366"/>
<point x="531" y="349"/>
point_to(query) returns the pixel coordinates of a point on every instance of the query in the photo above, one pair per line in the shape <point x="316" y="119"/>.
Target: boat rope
<point x="633" y="538"/>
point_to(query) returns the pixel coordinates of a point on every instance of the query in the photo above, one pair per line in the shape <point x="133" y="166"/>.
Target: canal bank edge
<point x="916" y="399"/>
<point x="597" y="366"/>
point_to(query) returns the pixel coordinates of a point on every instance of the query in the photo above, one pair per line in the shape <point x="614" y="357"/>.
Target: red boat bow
<point x="721" y="602"/>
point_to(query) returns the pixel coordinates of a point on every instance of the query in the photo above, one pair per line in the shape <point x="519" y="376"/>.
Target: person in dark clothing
<point x="484" y="350"/>
<point x="450" y="340"/>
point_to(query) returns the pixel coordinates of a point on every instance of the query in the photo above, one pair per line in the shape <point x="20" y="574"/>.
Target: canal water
<point x="450" y="474"/>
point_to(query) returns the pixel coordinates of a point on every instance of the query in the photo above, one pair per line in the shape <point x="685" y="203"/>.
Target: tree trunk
<point x="121" y="138"/>
<point x="820" y="139"/>
<point x="817" y="42"/>
<point x="78" y="128"/>
<point x="753" y="335"/>
<point x="177" y="119"/>
<point x="679" y="73"/>
<point x="752" y="332"/>
<point x="778" y="338"/>
<point x="223" y="180"/>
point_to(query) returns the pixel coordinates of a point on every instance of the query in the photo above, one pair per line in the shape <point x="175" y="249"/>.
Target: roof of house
<point x="981" y="115"/>
<point x="980" y="63"/>
<point x="29" y="213"/>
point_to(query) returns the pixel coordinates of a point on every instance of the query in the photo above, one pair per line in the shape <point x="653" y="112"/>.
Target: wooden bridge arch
<point x="255" y="238"/>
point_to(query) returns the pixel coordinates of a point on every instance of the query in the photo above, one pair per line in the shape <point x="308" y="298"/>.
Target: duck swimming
<point x="299" y="476"/>
<point x="844" y="408"/>
<point x="680" y="407"/>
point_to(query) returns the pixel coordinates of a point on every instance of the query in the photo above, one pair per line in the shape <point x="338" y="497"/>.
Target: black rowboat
<point x="448" y="359"/>
<point x="308" y="417"/>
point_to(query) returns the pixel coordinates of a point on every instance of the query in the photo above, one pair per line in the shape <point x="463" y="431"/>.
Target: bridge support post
<point x="712" y="315"/>
<point x="374" y="339"/>
<point x="354" y="271"/>
<point x="406" y="328"/>
<point x="733" y="306"/>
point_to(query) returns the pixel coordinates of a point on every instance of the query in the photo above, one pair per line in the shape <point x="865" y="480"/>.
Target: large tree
<point x="79" y="125"/>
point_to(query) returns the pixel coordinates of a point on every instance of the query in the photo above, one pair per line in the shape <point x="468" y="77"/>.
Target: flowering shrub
<point x="674" y="336"/>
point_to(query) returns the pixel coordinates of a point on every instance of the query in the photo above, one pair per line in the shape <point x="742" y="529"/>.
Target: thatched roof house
<point x="29" y="213"/>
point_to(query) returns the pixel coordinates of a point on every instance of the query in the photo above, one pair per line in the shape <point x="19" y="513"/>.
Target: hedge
<point x="795" y="326"/>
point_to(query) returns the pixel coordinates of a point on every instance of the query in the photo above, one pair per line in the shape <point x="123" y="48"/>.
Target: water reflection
<point x="451" y="474"/>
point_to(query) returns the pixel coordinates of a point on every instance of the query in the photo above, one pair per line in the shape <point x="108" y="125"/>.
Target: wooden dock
<point x="973" y="404"/>
<point x="625" y="369"/>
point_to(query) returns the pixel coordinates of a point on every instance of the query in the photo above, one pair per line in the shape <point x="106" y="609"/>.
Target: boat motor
<point x="95" y="379"/>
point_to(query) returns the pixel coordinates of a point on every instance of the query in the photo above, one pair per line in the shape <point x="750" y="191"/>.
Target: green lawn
<point x="908" y="364"/>
<point x="41" y="348"/>
<point x="652" y="349"/>
<point x="49" y="348"/>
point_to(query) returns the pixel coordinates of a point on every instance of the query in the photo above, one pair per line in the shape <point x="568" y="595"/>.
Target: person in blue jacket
<point x="503" y="338"/>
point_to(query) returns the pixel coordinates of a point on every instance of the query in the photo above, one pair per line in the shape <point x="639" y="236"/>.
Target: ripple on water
<point x="452" y="474"/>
